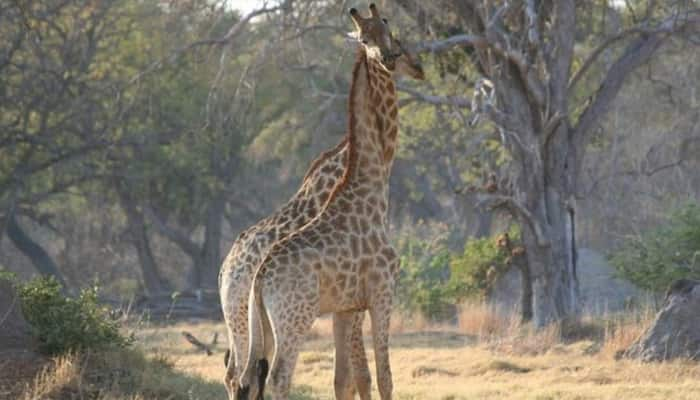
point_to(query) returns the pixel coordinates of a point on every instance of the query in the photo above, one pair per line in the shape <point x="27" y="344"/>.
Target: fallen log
<point x="197" y="343"/>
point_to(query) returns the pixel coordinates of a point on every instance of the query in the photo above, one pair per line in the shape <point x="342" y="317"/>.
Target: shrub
<point x="661" y="255"/>
<point x="63" y="324"/>
<point x="423" y="279"/>
<point x="7" y="275"/>
<point x="474" y="271"/>
<point x="433" y="280"/>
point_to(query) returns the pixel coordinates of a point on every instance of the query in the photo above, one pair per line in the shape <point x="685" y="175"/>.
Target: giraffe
<point x="236" y="275"/>
<point x="341" y="261"/>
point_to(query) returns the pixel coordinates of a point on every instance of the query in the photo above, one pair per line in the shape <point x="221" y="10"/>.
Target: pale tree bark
<point x="524" y="52"/>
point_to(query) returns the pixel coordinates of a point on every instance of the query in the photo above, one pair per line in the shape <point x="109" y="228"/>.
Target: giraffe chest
<point x="349" y="277"/>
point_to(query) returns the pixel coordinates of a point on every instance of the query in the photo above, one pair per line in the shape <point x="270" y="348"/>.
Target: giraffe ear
<point x="356" y="17"/>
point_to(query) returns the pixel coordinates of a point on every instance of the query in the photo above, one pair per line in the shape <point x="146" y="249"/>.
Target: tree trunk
<point x="205" y="271"/>
<point x="526" y="311"/>
<point x="211" y="248"/>
<point x="553" y="265"/>
<point x="33" y="250"/>
<point x="138" y="236"/>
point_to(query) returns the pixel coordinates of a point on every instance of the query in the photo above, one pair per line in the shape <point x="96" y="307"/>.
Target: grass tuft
<point x="117" y="374"/>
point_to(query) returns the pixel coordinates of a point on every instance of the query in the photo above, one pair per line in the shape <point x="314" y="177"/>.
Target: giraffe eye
<point x="364" y="41"/>
<point x="385" y="21"/>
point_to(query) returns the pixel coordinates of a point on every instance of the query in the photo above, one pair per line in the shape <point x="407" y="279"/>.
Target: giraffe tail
<point x="252" y="385"/>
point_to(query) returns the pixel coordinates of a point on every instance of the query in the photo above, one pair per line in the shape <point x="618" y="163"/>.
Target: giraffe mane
<point x="323" y="157"/>
<point x="350" y="137"/>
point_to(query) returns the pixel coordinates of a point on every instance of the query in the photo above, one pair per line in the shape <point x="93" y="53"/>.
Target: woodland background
<point x="138" y="138"/>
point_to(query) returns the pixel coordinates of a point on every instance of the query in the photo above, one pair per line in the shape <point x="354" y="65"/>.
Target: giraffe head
<point x="375" y="35"/>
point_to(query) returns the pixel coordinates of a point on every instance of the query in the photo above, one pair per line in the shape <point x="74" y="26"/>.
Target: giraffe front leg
<point x="343" y="374"/>
<point x="380" y="314"/>
<point x="350" y="358"/>
<point x="360" y="367"/>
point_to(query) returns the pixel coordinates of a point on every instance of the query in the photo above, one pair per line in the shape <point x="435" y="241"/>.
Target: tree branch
<point x="439" y="46"/>
<point x="495" y="201"/>
<point x="176" y="236"/>
<point x="491" y="41"/>
<point x="234" y="30"/>
<point x="454" y="101"/>
<point x="561" y="56"/>
<point x="596" y="53"/>
<point x="636" y="54"/>
<point x="230" y="35"/>
<point x="501" y="119"/>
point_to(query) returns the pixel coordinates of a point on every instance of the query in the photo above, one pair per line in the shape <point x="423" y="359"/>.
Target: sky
<point x="245" y="6"/>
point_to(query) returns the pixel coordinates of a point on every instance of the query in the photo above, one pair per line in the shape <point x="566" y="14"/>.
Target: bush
<point x="661" y="255"/>
<point x="433" y="280"/>
<point x="7" y="275"/>
<point x="474" y="271"/>
<point x="423" y="279"/>
<point x="63" y="324"/>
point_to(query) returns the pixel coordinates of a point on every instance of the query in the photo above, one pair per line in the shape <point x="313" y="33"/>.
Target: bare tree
<point x="53" y="116"/>
<point x="524" y="51"/>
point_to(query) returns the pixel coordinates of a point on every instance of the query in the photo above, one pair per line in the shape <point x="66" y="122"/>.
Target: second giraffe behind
<point x="342" y="261"/>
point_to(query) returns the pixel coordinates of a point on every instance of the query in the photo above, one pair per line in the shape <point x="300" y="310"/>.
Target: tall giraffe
<point x="236" y="275"/>
<point x="341" y="261"/>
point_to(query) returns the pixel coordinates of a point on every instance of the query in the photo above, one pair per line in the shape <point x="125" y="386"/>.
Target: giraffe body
<point x="248" y="250"/>
<point x="342" y="261"/>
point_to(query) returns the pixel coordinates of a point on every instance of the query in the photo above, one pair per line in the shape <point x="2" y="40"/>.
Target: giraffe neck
<point x="373" y="119"/>
<point x="372" y="132"/>
<point x="322" y="177"/>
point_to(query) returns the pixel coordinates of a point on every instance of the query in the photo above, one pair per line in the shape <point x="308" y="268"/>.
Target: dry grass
<point x="56" y="377"/>
<point x="620" y="334"/>
<point x="486" y="323"/>
<point x="486" y="356"/>
<point x="118" y="375"/>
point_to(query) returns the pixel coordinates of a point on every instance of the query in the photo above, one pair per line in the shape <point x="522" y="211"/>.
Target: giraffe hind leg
<point x="263" y="369"/>
<point x="289" y="325"/>
<point x="230" y="375"/>
<point x="358" y="356"/>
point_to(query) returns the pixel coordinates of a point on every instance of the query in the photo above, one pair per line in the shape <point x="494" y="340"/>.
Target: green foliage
<point x="6" y="275"/>
<point x="661" y="255"/>
<point x="424" y="277"/>
<point x="63" y="324"/>
<point x="474" y="271"/>
<point x="433" y="280"/>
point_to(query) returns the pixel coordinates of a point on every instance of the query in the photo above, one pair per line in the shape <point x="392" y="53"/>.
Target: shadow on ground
<point x="432" y="339"/>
